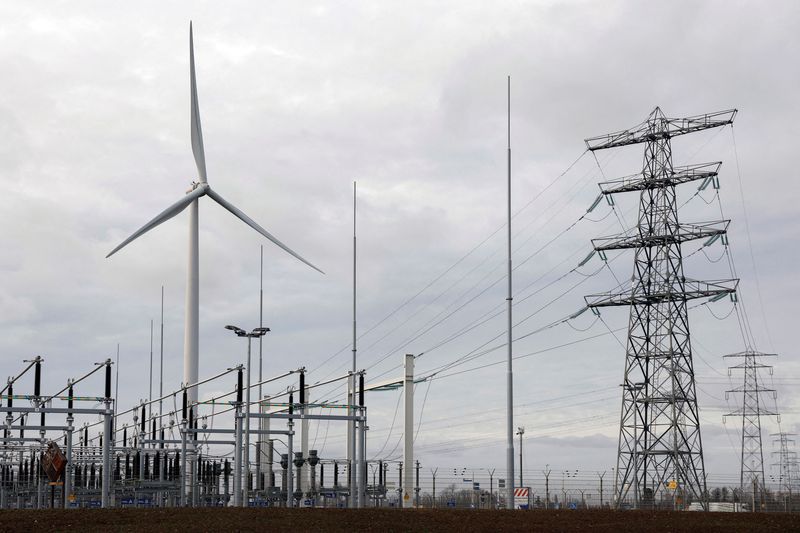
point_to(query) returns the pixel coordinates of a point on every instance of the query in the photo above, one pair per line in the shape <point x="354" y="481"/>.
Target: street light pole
<point x="257" y="333"/>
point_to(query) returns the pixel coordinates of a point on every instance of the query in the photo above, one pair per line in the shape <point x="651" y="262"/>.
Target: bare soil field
<point x="387" y="520"/>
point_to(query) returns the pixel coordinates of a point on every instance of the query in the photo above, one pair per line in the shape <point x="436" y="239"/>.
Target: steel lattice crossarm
<point x="668" y="128"/>
<point x="748" y="353"/>
<point x="676" y="291"/>
<point x="750" y="361"/>
<point x="678" y="176"/>
<point x="746" y="412"/>
<point x="679" y="233"/>
<point x="750" y="388"/>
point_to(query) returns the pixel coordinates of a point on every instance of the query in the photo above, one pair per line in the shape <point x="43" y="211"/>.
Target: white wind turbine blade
<point x="252" y="223"/>
<point x="197" y="131"/>
<point x="165" y="215"/>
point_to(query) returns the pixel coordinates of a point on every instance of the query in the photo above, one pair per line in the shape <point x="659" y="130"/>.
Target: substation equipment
<point x="158" y="461"/>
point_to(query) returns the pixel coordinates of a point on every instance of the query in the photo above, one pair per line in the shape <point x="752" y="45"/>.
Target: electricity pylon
<point x="751" y="479"/>
<point x="660" y="450"/>
<point x="787" y="466"/>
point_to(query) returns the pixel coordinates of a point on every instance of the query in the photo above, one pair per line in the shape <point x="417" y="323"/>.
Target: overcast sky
<point x="297" y="101"/>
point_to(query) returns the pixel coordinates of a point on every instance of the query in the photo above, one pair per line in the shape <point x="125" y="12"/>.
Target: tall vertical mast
<point x="116" y="381"/>
<point x="150" y="391"/>
<point x="260" y="324"/>
<point x="354" y="276"/>
<point x="161" y="371"/>
<point x="510" y="373"/>
<point x="351" y="427"/>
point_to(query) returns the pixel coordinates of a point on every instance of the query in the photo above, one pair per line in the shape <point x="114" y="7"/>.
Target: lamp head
<point x="237" y="330"/>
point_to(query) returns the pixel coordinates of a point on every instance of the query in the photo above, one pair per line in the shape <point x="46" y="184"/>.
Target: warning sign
<point x="406" y="497"/>
<point x="672" y="485"/>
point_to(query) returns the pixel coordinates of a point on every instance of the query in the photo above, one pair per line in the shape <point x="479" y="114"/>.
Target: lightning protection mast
<point x="510" y="341"/>
<point x="660" y="451"/>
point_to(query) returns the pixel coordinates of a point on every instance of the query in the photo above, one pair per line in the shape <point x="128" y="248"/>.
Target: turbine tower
<point x="660" y="449"/>
<point x="198" y="189"/>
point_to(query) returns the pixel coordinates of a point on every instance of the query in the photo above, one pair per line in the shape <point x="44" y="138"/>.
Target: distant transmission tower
<point x="787" y="467"/>
<point x="751" y="479"/>
<point x="660" y="450"/>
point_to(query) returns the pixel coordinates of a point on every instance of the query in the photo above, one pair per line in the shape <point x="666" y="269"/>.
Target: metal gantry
<point x="29" y="487"/>
<point x="660" y="449"/>
<point x="145" y="463"/>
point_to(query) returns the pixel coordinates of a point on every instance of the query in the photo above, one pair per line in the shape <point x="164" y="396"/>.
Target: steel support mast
<point x="660" y="450"/>
<point x="509" y="373"/>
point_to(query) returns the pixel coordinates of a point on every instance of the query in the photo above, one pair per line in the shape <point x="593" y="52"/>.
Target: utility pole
<point x="416" y="486"/>
<point x="601" y="476"/>
<point x="546" y="473"/>
<point x="660" y="425"/>
<point x="520" y="432"/>
<point x="491" y="488"/>
<point x="433" y="475"/>
<point x="752" y="459"/>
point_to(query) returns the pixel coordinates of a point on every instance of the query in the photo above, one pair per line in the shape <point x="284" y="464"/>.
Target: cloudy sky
<point x="298" y="100"/>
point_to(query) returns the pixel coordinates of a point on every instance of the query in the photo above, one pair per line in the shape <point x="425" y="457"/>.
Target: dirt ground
<point x="387" y="520"/>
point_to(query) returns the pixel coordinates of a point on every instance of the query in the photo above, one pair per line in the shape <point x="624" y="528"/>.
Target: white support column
<point x="351" y="442"/>
<point x="408" y="432"/>
<point x="264" y="459"/>
<point x="362" y="459"/>
<point x="68" y="469"/>
<point x="105" y="497"/>
<point x="191" y="331"/>
<point x="305" y="471"/>
<point x="237" y="459"/>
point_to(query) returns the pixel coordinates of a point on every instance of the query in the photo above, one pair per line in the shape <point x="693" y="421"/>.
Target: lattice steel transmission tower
<point x="660" y="452"/>
<point x="751" y="479"/>
<point x="787" y="467"/>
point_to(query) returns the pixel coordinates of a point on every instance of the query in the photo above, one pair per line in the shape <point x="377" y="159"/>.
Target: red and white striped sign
<point x="521" y="492"/>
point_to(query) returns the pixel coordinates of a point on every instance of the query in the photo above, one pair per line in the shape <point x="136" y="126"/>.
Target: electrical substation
<point x="535" y="373"/>
<point x="76" y="448"/>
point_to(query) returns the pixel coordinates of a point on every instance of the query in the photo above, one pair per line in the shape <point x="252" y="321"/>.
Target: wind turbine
<point x="198" y="190"/>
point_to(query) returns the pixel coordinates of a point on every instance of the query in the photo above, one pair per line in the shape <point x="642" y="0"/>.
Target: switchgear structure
<point x="660" y="454"/>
